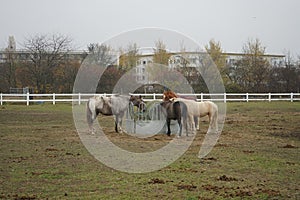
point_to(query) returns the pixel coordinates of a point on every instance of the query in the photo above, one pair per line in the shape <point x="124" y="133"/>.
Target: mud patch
<point x="156" y="181"/>
<point x="186" y="187"/>
<point x="288" y="146"/>
<point x="226" y="178"/>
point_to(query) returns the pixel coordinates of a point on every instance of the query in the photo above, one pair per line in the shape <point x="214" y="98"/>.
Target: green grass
<point x="256" y="157"/>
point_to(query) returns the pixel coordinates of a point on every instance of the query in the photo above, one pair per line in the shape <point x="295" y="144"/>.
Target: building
<point x="194" y="59"/>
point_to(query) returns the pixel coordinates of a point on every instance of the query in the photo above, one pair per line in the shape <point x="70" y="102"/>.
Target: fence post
<point x="1" y="99"/>
<point x="154" y="97"/>
<point x="292" y="96"/>
<point x="270" y="97"/>
<point x="247" y="97"/>
<point x="79" y="98"/>
<point x="53" y="101"/>
<point x="225" y="97"/>
<point x="201" y="96"/>
<point x="27" y="98"/>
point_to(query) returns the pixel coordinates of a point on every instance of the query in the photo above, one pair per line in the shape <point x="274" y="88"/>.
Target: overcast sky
<point x="232" y="22"/>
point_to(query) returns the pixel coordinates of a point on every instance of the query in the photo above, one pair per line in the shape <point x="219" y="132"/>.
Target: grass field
<point x="256" y="157"/>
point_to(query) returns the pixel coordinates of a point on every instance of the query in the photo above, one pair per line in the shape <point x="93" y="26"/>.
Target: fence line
<point x="83" y="97"/>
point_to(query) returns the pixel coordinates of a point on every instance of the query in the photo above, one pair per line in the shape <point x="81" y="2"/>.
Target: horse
<point x="197" y="109"/>
<point x="175" y="111"/>
<point x="139" y="103"/>
<point x="115" y="105"/>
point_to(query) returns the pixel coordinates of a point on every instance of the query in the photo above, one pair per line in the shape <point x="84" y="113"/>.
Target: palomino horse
<point x="115" y="105"/>
<point x="197" y="109"/>
<point x="175" y="111"/>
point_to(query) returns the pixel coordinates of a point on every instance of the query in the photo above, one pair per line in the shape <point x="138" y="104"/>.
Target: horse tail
<point x="184" y="115"/>
<point x="184" y="110"/>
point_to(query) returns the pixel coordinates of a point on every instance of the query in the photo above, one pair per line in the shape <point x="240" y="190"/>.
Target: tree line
<point x="49" y="67"/>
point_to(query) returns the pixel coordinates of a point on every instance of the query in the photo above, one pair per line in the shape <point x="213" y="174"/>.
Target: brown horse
<point x="175" y="111"/>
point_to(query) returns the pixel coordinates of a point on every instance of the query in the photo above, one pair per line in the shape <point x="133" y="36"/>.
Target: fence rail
<point x="79" y="98"/>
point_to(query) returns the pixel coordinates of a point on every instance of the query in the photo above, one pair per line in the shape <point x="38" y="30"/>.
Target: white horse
<point x="197" y="109"/>
<point x="115" y="105"/>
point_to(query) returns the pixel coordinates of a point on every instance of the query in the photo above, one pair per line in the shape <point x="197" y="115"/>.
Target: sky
<point x="232" y="22"/>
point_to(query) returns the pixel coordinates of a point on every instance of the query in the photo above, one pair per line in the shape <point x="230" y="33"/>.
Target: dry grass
<point x="256" y="157"/>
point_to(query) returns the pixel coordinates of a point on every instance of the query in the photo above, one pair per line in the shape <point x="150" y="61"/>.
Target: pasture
<point x="257" y="157"/>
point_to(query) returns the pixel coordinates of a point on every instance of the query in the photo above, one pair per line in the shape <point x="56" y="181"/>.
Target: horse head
<point x="138" y="102"/>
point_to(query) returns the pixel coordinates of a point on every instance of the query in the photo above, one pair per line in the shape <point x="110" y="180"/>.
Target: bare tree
<point x="100" y="54"/>
<point x="100" y="66"/>
<point x="286" y="78"/>
<point x="45" y="54"/>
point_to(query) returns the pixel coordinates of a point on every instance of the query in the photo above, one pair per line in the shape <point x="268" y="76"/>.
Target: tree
<point x="253" y="69"/>
<point x="161" y="56"/>
<point x="109" y="79"/>
<point x="102" y="61"/>
<point x="129" y="57"/>
<point x="216" y="53"/>
<point x="290" y="74"/>
<point x="8" y="68"/>
<point x="45" y="54"/>
<point x="100" y="54"/>
<point x="285" y="78"/>
<point x="65" y="75"/>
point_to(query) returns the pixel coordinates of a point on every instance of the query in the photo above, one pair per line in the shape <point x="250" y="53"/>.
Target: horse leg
<point x="91" y="116"/>
<point x="196" y="121"/>
<point x="192" y="124"/>
<point x="185" y="125"/>
<point x="214" y="121"/>
<point x="121" y="115"/>
<point x="180" y="126"/>
<point x="116" y="124"/>
<point x="120" y="125"/>
<point x="168" y="125"/>
<point x="90" y="124"/>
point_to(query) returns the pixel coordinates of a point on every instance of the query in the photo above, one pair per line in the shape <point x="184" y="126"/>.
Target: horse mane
<point x="168" y="95"/>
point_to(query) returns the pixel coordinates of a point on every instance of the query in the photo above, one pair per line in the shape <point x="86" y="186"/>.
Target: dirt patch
<point x="186" y="187"/>
<point x="51" y="149"/>
<point x="226" y="178"/>
<point x="248" y="151"/>
<point x="20" y="197"/>
<point x="156" y="181"/>
<point x="288" y="146"/>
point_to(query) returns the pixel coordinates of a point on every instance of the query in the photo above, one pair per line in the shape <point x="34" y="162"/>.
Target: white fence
<point x="79" y="98"/>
